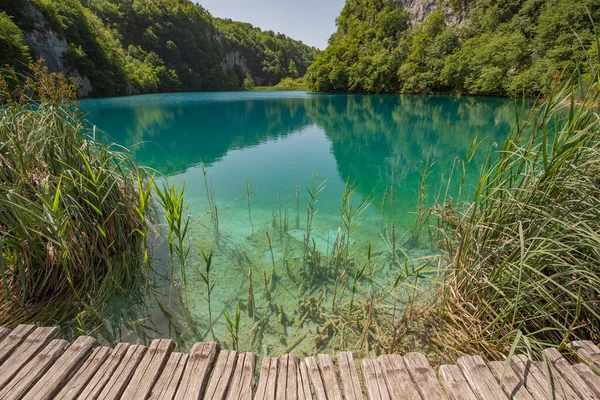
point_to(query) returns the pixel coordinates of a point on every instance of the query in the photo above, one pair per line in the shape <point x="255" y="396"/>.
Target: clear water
<point x="277" y="143"/>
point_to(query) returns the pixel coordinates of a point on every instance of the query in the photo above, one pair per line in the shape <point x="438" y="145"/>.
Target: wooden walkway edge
<point x="34" y="365"/>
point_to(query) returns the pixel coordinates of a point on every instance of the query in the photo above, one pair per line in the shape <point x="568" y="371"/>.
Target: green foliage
<point x="147" y="46"/>
<point x="502" y="48"/>
<point x="248" y="83"/>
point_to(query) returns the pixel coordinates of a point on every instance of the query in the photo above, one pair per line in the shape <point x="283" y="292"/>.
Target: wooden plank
<point x="568" y="374"/>
<point x="117" y="383"/>
<point x="397" y="377"/>
<point x="3" y="333"/>
<point x="304" y="392"/>
<point x="591" y="379"/>
<point x="81" y="378"/>
<point x="512" y="385"/>
<point x="423" y="376"/>
<point x="63" y="369"/>
<point x="315" y="377"/>
<point x="268" y="379"/>
<point x="167" y="384"/>
<point x="588" y="351"/>
<point x="281" y="386"/>
<point x="95" y="386"/>
<point x="538" y="382"/>
<point x="332" y="387"/>
<point x="287" y="377"/>
<point x="13" y="340"/>
<point x="562" y="388"/>
<point x="31" y="346"/>
<point x="374" y="380"/>
<point x="197" y="371"/>
<point x="243" y="379"/>
<point x="455" y="383"/>
<point x="147" y="372"/>
<point x="480" y="378"/>
<point x="349" y="376"/>
<point x="221" y="375"/>
<point x="33" y="371"/>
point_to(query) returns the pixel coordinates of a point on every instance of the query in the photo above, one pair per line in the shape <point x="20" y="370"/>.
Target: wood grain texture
<point x="315" y="377"/>
<point x="221" y="375"/>
<point x="243" y="379"/>
<point x="332" y="387"/>
<point x="63" y="369"/>
<point x="511" y="383"/>
<point x="480" y="378"/>
<point x="397" y="377"/>
<point x="374" y="379"/>
<point x="568" y="374"/>
<point x="169" y="380"/>
<point x="304" y="391"/>
<point x="349" y="376"/>
<point x="422" y="374"/>
<point x="149" y="369"/>
<point x="591" y="379"/>
<point x="197" y="371"/>
<point x="541" y="381"/>
<point x="83" y="376"/>
<point x="588" y="351"/>
<point x="32" y="345"/>
<point x="3" y="333"/>
<point x="455" y="383"/>
<point x="13" y="340"/>
<point x="117" y="383"/>
<point x="97" y="383"/>
<point x="267" y="382"/>
<point x="29" y="375"/>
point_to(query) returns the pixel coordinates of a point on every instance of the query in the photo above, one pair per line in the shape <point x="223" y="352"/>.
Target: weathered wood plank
<point x="63" y="369"/>
<point x="526" y="372"/>
<point x="374" y="380"/>
<point x="349" y="376"/>
<point x="117" y="383"/>
<point x="568" y="374"/>
<point x="423" y="376"/>
<point x="282" y="377"/>
<point x="512" y="384"/>
<point x="95" y="386"/>
<point x="197" y="371"/>
<point x="315" y="377"/>
<point x="562" y="388"/>
<point x="292" y="377"/>
<point x="147" y="372"/>
<point x="397" y="377"/>
<point x="221" y="375"/>
<point x="455" y="383"/>
<point x="83" y="376"/>
<point x="167" y="384"/>
<point x="480" y="378"/>
<point x="13" y="340"/>
<point x="591" y="379"/>
<point x="243" y="379"/>
<point x="304" y="392"/>
<point x="27" y="377"/>
<point x="588" y="351"/>
<point x="267" y="382"/>
<point x="31" y="346"/>
<point x="3" y="333"/>
<point x="330" y="382"/>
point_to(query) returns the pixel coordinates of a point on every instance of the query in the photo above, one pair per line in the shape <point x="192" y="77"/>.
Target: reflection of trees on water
<point x="377" y="139"/>
<point x="374" y="138"/>
<point x="173" y="138"/>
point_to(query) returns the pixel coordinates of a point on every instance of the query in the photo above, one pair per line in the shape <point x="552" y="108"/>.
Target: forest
<point x="134" y="47"/>
<point x="500" y="47"/>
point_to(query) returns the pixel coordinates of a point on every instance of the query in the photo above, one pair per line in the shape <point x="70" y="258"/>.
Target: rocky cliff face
<point x="420" y="9"/>
<point x="52" y="47"/>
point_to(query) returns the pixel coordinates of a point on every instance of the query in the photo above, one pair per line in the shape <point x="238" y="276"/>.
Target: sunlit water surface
<point x="276" y="146"/>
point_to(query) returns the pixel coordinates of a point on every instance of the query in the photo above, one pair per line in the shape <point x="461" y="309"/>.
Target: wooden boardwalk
<point x="34" y="365"/>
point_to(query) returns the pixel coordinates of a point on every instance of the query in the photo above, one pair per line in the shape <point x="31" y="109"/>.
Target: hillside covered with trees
<point x="499" y="47"/>
<point x="122" y="47"/>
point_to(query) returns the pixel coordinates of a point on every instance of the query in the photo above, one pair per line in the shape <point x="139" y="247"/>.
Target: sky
<point x="311" y="21"/>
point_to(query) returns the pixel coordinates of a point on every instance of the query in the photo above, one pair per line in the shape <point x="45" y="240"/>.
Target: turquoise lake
<point x="259" y="154"/>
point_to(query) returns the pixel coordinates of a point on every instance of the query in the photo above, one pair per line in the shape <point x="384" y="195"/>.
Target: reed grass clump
<point x="71" y="215"/>
<point x="524" y="254"/>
